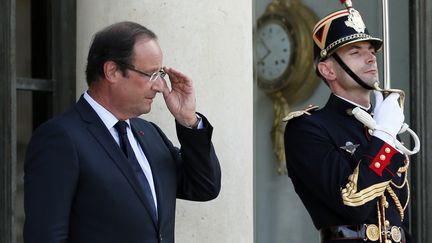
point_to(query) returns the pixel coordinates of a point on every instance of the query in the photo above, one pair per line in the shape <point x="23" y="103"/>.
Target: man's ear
<point x="326" y="70"/>
<point x="110" y="70"/>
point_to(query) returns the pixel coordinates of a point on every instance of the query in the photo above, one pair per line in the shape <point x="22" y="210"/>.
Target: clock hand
<point x="268" y="51"/>
<point x="264" y="57"/>
<point x="264" y="44"/>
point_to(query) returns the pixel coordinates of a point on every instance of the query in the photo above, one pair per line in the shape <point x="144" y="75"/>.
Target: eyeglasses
<point x="153" y="77"/>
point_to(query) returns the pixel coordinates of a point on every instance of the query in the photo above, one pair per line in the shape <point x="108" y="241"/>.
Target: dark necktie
<point x="128" y="151"/>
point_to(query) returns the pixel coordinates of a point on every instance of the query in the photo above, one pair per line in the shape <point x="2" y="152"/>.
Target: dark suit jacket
<point x="80" y="188"/>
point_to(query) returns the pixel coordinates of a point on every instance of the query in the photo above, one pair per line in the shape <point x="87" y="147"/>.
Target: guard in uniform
<point x="352" y="180"/>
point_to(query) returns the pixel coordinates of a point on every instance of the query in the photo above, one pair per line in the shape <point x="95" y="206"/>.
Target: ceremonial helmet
<point x="338" y="29"/>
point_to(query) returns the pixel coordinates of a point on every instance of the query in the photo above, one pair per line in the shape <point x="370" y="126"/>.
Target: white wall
<point x="280" y="216"/>
<point x="210" y="41"/>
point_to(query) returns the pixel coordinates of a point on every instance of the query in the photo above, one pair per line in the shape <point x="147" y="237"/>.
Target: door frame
<point x="421" y="118"/>
<point x="62" y="85"/>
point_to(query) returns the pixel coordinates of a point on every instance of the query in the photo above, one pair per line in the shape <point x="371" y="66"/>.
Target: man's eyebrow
<point x="358" y="47"/>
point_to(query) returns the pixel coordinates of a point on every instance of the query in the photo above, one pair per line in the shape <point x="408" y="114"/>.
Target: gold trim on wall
<point x="299" y="80"/>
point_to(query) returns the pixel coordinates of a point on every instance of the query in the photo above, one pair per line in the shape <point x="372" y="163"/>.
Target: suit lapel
<point x="98" y="129"/>
<point x="147" y="147"/>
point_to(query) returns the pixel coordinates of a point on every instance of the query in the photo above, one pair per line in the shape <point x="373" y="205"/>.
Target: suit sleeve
<point x="321" y="169"/>
<point x="50" y="180"/>
<point x="198" y="169"/>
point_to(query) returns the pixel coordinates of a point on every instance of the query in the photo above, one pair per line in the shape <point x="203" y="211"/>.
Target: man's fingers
<point x="378" y="98"/>
<point x="393" y="96"/>
<point x="176" y="76"/>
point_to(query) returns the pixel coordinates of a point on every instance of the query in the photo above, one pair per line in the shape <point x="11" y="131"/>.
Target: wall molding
<point x="7" y="121"/>
<point x="421" y="118"/>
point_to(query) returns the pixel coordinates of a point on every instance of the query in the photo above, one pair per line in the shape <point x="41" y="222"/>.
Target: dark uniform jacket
<point x="339" y="170"/>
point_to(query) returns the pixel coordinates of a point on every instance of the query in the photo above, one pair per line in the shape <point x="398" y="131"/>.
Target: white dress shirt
<point x="110" y="120"/>
<point x="352" y="102"/>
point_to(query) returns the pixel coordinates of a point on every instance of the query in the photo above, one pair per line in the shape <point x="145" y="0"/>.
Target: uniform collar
<point x="343" y="106"/>
<point x="355" y="104"/>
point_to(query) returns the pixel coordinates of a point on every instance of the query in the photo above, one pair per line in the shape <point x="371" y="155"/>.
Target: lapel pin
<point x="350" y="147"/>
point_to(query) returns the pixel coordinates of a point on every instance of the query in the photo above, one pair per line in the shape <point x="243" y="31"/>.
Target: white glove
<point x="389" y="117"/>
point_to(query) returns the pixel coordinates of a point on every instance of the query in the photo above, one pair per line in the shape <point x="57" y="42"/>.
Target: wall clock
<point x="284" y="61"/>
<point x="274" y="51"/>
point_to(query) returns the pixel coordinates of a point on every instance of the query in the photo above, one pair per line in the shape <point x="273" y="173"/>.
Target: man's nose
<point x="158" y="84"/>
<point x="371" y="58"/>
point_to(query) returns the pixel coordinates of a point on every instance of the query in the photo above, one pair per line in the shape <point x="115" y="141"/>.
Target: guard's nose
<point x="371" y="58"/>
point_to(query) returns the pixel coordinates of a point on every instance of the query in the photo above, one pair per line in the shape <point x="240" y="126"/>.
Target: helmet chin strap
<point x="351" y="73"/>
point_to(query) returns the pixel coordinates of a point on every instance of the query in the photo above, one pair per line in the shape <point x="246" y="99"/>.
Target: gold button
<point x="382" y="157"/>
<point x="387" y="223"/>
<point x="372" y="232"/>
<point x="386" y="204"/>
<point x="323" y="53"/>
<point x="396" y="234"/>
<point x="377" y="165"/>
<point x="387" y="150"/>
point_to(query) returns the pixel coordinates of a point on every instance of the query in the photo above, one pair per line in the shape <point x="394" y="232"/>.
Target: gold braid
<point x="396" y="201"/>
<point x="379" y="219"/>
<point x="406" y="165"/>
<point x="403" y="169"/>
<point x="381" y="210"/>
<point x="382" y="204"/>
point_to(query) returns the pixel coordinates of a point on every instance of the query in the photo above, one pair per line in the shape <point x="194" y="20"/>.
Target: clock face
<point x="273" y="51"/>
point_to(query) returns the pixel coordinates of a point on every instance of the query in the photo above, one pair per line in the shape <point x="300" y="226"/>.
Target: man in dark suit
<point x="99" y="174"/>
<point x="351" y="179"/>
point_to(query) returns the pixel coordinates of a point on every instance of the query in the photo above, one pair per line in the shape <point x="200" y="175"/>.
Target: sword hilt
<point x="387" y="92"/>
<point x="347" y="3"/>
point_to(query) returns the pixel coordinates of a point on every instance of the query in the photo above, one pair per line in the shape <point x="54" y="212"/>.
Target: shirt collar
<point x="107" y="117"/>
<point x="342" y="106"/>
<point x="355" y="104"/>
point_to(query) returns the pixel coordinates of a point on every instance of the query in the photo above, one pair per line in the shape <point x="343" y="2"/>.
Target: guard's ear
<point x="326" y="70"/>
<point x="110" y="71"/>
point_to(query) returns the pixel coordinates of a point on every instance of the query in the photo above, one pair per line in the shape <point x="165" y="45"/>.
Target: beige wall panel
<point x="211" y="42"/>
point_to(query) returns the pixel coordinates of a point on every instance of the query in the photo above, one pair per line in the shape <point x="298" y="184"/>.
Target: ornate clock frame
<point x="299" y="80"/>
